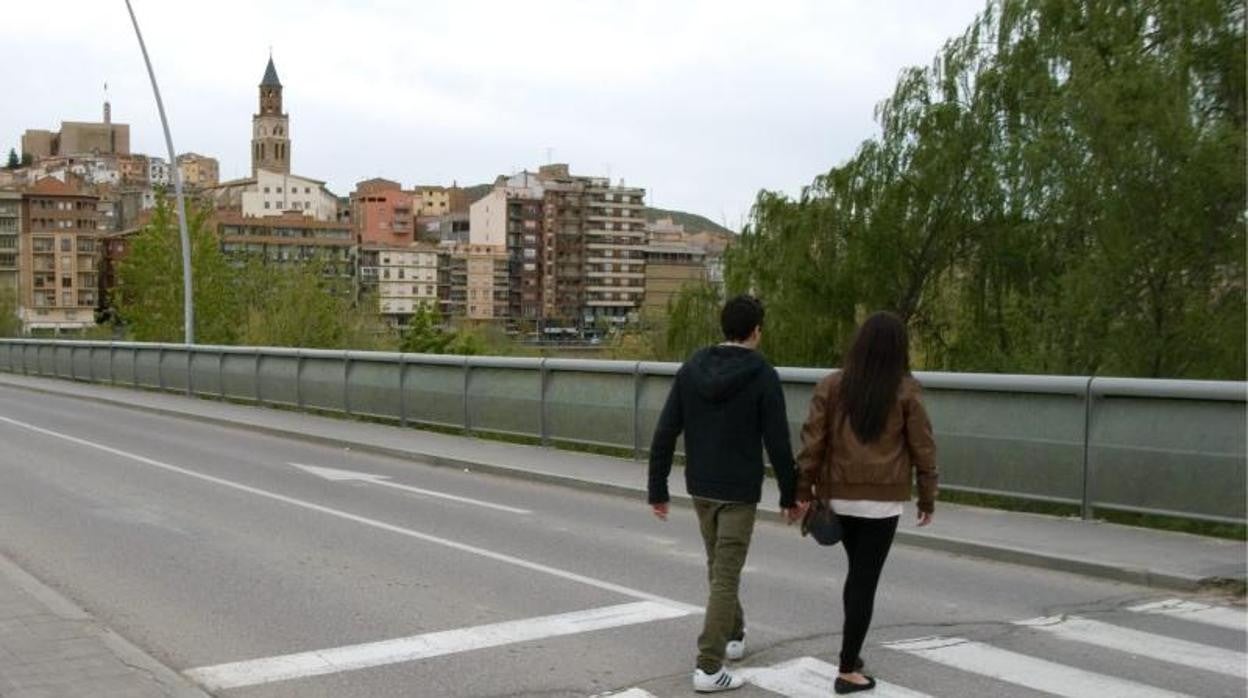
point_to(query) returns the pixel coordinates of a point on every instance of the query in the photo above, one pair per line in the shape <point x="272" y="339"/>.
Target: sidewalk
<point x="50" y="648"/>
<point x="1123" y="553"/>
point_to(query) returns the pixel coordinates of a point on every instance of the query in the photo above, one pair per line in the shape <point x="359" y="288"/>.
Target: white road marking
<point x="335" y="475"/>
<point x="1137" y="642"/>
<point x="454" y="545"/>
<point x="808" y="677"/>
<point x="630" y="693"/>
<point x="405" y="649"/>
<point x="1221" y="616"/>
<point x="1024" y="670"/>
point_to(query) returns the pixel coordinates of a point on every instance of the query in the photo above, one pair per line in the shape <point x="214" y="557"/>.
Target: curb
<point x="998" y="553"/>
<point x="175" y="685"/>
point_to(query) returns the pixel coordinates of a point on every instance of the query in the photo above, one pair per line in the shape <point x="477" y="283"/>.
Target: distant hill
<point x="693" y="222"/>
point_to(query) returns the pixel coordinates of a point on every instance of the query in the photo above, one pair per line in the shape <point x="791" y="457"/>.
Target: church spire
<point x="270" y="75"/>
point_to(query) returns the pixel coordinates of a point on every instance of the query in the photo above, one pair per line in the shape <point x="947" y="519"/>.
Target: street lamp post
<point x="188" y="304"/>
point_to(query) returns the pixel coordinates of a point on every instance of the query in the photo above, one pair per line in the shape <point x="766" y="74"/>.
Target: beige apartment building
<point x="407" y="279"/>
<point x="59" y="257"/>
<point x="670" y="266"/>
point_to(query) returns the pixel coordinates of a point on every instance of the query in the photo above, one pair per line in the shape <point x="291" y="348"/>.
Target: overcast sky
<point x="701" y="102"/>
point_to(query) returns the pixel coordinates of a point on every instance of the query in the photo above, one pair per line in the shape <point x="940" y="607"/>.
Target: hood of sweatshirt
<point x="720" y="372"/>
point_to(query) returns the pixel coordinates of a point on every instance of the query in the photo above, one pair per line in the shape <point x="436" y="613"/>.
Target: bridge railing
<point x="1168" y="447"/>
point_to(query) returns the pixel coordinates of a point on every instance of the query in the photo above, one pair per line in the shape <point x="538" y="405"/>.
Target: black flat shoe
<point x="842" y="686"/>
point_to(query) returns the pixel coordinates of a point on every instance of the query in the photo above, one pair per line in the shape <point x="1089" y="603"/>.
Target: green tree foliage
<point x="302" y="306"/>
<point x="14" y="161"/>
<point x="249" y="301"/>
<point x="149" y="294"/>
<point x="10" y="324"/>
<point x="424" y="335"/>
<point x="692" y="321"/>
<point x="1061" y="191"/>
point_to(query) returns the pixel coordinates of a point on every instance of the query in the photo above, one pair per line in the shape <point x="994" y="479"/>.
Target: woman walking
<point x="865" y="441"/>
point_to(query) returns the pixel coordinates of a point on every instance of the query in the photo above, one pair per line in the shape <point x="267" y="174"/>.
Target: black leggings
<point x="866" y="544"/>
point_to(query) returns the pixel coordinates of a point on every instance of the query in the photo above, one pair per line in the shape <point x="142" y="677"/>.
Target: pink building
<point x="382" y="213"/>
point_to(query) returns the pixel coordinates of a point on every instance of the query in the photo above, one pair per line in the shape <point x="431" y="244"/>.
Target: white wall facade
<point x="275" y="193"/>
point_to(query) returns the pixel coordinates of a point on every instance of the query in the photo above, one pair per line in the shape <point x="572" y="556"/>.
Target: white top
<point x="866" y="508"/>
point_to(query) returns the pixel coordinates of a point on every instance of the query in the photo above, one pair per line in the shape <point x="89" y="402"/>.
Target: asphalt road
<point x="214" y="551"/>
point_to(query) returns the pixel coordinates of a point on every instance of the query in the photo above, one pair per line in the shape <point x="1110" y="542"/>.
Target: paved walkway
<point x="50" y="648"/>
<point x="1124" y="553"/>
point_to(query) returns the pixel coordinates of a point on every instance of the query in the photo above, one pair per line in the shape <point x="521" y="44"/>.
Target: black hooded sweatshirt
<point x="728" y="402"/>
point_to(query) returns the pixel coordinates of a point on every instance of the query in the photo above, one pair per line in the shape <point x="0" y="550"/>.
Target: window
<point x="307" y="190"/>
<point x="67" y="297"/>
<point x="266" y="190"/>
<point x="428" y="290"/>
<point x="279" y="190"/>
<point x="400" y="273"/>
<point x="67" y="282"/>
<point x="266" y="204"/>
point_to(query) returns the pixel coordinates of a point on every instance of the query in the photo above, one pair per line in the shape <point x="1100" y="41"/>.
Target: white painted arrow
<point x="336" y="475"/>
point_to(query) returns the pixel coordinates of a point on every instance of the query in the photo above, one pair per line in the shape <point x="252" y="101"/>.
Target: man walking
<point x="728" y="402"/>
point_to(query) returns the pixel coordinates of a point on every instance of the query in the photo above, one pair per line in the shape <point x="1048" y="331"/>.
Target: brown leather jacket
<point x="834" y="464"/>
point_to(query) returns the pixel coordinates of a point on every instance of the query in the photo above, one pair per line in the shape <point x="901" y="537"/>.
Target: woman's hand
<point x="925" y="518"/>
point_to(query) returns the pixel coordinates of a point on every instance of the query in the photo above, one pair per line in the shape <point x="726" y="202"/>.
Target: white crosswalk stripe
<point x="1024" y="670"/>
<point x="808" y="677"/>
<point x="1231" y="618"/>
<point x="1159" y="647"/>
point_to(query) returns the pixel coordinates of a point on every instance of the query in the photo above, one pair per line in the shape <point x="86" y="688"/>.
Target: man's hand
<point x="795" y="513"/>
<point x="925" y="518"/>
<point x="660" y="510"/>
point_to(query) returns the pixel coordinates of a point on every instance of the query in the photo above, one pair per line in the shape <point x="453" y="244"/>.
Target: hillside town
<point x="546" y="255"/>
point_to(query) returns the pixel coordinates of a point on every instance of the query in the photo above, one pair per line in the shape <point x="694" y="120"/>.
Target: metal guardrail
<point x="1166" y="447"/>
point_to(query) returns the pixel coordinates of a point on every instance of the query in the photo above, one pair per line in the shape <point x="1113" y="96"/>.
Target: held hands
<point x="795" y="513"/>
<point x="924" y="518"/>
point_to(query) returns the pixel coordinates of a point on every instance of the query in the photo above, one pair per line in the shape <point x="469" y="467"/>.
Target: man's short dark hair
<point x="741" y="314"/>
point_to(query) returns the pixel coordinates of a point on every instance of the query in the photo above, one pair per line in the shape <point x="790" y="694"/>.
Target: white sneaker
<point x="735" y="650"/>
<point x="713" y="683"/>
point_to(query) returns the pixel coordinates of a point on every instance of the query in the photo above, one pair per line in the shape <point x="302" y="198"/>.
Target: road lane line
<point x="808" y="677"/>
<point x="336" y="475"/>
<point x="445" y="542"/>
<point x="1221" y="616"/>
<point x="630" y="693"/>
<point x="1137" y="642"/>
<point x="406" y="649"/>
<point x="1024" y="670"/>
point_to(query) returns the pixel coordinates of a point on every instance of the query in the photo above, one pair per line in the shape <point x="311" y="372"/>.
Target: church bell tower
<point x="270" y="133"/>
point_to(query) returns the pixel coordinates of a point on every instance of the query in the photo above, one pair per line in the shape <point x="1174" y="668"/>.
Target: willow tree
<point x="1061" y="190"/>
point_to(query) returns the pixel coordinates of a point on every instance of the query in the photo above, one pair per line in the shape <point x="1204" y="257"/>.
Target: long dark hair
<point x="877" y="361"/>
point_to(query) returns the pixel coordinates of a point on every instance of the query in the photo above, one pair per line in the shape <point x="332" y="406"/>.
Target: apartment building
<point x="405" y="279"/>
<point x="59" y="257"/>
<point x="382" y="213"/>
<point x="512" y="216"/>
<point x="288" y="239"/>
<point x="671" y="264"/>
<point x="10" y="237"/>
<point x="473" y="282"/>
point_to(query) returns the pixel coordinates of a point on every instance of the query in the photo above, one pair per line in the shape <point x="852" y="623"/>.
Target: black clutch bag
<point x="822" y="524"/>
